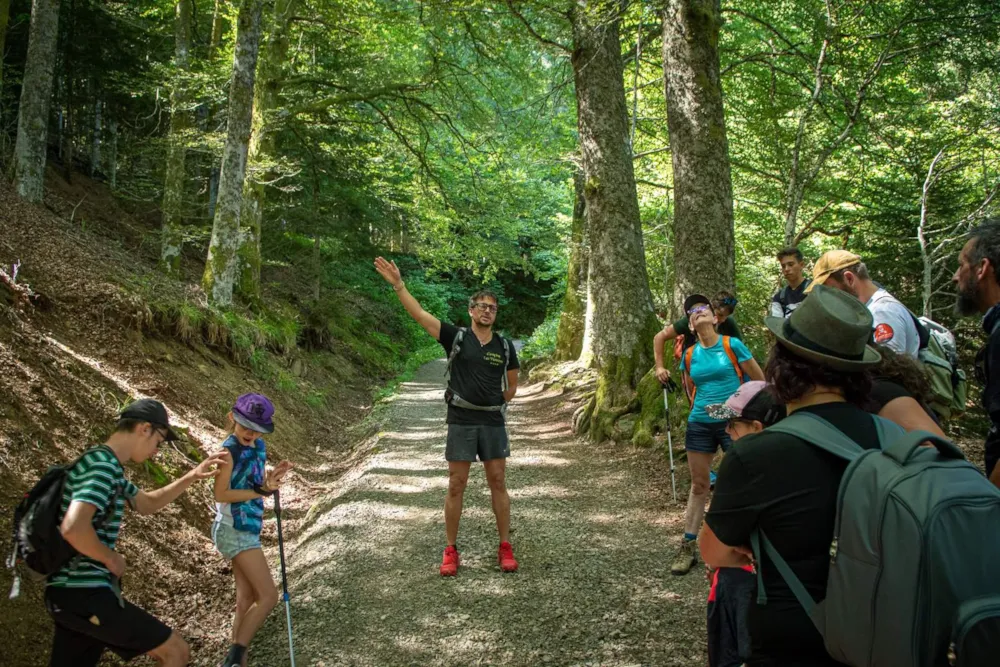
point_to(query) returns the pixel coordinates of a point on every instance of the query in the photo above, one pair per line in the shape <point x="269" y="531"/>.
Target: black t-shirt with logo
<point x="476" y="375"/>
<point x="788" y="488"/>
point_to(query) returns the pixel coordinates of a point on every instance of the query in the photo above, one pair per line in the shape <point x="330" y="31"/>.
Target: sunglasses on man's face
<point x="486" y="307"/>
<point x="699" y="309"/>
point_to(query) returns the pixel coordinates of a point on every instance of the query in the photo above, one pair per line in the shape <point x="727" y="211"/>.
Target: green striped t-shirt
<point x="94" y="480"/>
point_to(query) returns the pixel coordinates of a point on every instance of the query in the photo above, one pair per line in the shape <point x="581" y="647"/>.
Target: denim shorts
<point x="707" y="437"/>
<point x="231" y="542"/>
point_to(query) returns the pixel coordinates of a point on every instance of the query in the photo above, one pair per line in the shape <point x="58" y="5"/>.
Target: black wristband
<point x="257" y="488"/>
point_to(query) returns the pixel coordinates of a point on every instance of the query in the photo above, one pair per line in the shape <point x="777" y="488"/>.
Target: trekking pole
<point x="284" y="579"/>
<point x="670" y="441"/>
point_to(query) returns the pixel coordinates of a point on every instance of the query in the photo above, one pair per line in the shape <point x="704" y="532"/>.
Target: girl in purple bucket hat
<point x="240" y="488"/>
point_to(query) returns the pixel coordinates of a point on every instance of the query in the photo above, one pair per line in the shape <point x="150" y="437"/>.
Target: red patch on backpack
<point x="883" y="333"/>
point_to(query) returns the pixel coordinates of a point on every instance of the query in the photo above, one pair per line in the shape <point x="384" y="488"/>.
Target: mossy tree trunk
<point x="623" y="319"/>
<point x="36" y="96"/>
<point x="270" y="76"/>
<point x="223" y="260"/>
<point x="704" y="244"/>
<point x="4" y="18"/>
<point x="172" y="241"/>
<point x="569" y="338"/>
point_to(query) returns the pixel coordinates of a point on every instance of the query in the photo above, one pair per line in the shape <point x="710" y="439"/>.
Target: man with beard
<point x="894" y="325"/>
<point x="979" y="292"/>
<point x="483" y="379"/>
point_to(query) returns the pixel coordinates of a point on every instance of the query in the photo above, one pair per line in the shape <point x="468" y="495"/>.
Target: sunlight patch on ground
<point x="542" y="491"/>
<point x="539" y="457"/>
<point x="401" y="484"/>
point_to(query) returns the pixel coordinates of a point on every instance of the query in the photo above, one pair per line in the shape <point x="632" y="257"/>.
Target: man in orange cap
<point x="894" y="325"/>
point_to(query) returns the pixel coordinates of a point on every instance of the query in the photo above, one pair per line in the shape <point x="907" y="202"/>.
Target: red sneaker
<point x="506" y="557"/>
<point x="449" y="564"/>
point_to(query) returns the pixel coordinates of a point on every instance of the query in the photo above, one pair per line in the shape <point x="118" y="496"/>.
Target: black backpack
<point x="38" y="543"/>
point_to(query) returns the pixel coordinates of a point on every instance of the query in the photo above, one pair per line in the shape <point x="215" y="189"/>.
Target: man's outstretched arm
<point x="390" y="272"/>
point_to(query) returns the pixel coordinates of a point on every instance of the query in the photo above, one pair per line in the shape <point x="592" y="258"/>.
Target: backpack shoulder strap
<point x="727" y="345"/>
<point x="692" y="390"/>
<point x="506" y="363"/>
<point x="819" y="432"/>
<point x="758" y="540"/>
<point x="456" y="347"/>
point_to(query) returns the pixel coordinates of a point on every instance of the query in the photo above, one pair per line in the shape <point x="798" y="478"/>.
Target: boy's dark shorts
<point x="466" y="441"/>
<point x="90" y="620"/>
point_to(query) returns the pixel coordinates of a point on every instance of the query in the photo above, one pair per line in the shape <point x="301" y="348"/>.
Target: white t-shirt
<point x="893" y="324"/>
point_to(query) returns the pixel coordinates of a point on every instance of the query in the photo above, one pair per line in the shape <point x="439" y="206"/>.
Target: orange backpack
<point x="686" y="380"/>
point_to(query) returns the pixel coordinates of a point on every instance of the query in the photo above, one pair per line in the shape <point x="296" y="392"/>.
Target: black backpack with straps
<point x="37" y="540"/>
<point x="452" y="398"/>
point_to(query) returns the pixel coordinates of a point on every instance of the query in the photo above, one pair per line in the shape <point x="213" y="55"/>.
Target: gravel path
<point x="593" y="529"/>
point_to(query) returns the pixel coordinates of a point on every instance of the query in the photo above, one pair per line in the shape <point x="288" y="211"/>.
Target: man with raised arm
<point x="482" y="379"/>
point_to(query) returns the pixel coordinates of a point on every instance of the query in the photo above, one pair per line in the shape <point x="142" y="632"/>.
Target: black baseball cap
<point x="695" y="300"/>
<point x="152" y="411"/>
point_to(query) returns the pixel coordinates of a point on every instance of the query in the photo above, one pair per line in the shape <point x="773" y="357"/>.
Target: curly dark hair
<point x="792" y="377"/>
<point x="904" y="371"/>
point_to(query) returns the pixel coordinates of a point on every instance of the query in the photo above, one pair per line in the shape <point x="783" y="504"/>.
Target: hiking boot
<point x="506" y="557"/>
<point x="687" y="556"/>
<point x="449" y="564"/>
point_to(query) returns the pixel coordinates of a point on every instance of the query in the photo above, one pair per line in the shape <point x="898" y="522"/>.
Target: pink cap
<point x="751" y="402"/>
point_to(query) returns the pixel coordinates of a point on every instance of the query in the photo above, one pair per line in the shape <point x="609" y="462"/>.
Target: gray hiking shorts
<point x="466" y="441"/>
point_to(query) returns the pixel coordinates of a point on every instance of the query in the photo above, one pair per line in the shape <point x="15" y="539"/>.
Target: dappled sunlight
<point x="543" y="491"/>
<point x="400" y="484"/>
<point x="538" y="458"/>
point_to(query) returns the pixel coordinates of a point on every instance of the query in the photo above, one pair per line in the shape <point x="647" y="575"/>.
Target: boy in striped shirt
<point x="84" y="598"/>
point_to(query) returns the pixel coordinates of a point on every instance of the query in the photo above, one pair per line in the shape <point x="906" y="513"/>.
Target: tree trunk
<point x="623" y="319"/>
<point x="213" y="192"/>
<point x="113" y="155"/>
<point x="586" y="358"/>
<point x="4" y="17"/>
<point x="223" y="261"/>
<point x="569" y="338"/>
<point x="926" y="254"/>
<point x="172" y="241"/>
<point x="218" y="25"/>
<point x="261" y="152"/>
<point x="36" y="96"/>
<point x="67" y="148"/>
<point x="95" y="140"/>
<point x="703" y="194"/>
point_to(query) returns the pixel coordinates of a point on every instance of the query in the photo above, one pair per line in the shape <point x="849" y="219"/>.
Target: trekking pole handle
<point x="904" y="449"/>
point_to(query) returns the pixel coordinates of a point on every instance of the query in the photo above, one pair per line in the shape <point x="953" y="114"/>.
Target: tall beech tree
<point x="36" y="97"/>
<point x="703" y="246"/>
<point x="223" y="259"/>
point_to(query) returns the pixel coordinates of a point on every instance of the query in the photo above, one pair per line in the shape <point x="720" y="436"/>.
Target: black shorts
<point x="466" y="441"/>
<point x="89" y="620"/>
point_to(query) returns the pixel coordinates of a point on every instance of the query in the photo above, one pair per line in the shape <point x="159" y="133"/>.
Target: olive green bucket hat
<point x="831" y="328"/>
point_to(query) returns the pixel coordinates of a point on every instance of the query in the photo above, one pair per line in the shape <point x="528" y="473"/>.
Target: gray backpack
<point x="915" y="558"/>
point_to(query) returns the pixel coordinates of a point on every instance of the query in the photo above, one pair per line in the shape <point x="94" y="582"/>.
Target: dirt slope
<point x="65" y="370"/>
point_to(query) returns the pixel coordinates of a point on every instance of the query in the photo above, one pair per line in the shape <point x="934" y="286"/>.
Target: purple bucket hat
<point x="254" y="411"/>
